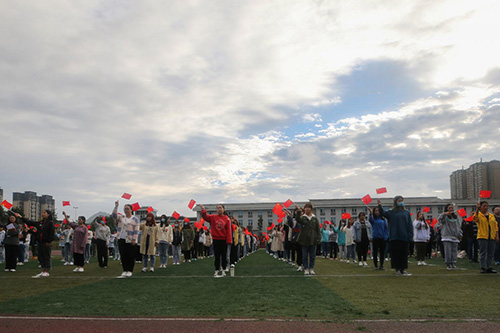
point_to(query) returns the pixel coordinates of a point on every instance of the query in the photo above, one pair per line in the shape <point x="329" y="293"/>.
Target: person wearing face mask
<point x="309" y="238"/>
<point x="400" y="234"/>
<point x="127" y="233"/>
<point x="80" y="237"/>
<point x="176" y="244"/>
<point x="165" y="238"/>
<point x="187" y="241"/>
<point x="487" y="236"/>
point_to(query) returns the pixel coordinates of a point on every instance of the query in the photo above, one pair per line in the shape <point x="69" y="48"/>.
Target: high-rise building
<point x="466" y="184"/>
<point x="32" y="205"/>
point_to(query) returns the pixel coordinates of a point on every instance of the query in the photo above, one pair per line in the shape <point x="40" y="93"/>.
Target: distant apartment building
<point x="466" y="183"/>
<point x="248" y="214"/>
<point x="33" y="205"/>
<point x="1" y="194"/>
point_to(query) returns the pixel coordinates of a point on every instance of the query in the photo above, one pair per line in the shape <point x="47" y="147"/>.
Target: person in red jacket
<point x="220" y="227"/>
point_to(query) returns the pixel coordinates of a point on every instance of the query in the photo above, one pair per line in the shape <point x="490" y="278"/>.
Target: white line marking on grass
<point x="421" y="320"/>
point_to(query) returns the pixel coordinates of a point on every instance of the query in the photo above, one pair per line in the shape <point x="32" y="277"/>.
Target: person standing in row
<point x="379" y="237"/>
<point x="80" y="237"/>
<point x="487" y="236"/>
<point x="451" y="235"/>
<point x="187" y="241"/>
<point x="46" y="235"/>
<point x="341" y="241"/>
<point x="176" y="244"/>
<point x="149" y="242"/>
<point x="165" y="238"/>
<point x="309" y="238"/>
<point x="11" y="243"/>
<point x="221" y="235"/>
<point x="207" y="244"/>
<point x="362" y="234"/>
<point x="421" y="237"/>
<point x="400" y="234"/>
<point x="102" y="236"/>
<point x="128" y="232"/>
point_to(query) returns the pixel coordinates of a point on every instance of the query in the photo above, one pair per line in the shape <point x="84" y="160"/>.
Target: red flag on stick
<point x="426" y="210"/>
<point x="462" y="212"/>
<point x="484" y="194"/>
<point x="469" y="219"/>
<point x="288" y="203"/>
<point x="136" y="206"/>
<point x="186" y="220"/>
<point x="277" y="209"/>
<point x="176" y="215"/>
<point x="191" y="204"/>
<point x="346" y="216"/>
<point x="66" y="203"/>
<point x="270" y="227"/>
<point x="381" y="190"/>
<point x="150" y="209"/>
<point x="7" y="204"/>
<point x="366" y="199"/>
<point x="434" y="222"/>
<point x="126" y="196"/>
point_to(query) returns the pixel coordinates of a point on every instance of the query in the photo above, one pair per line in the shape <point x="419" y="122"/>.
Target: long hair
<point x="453" y="215"/>
<point x="153" y="219"/>
<point x="164" y="217"/>
<point x="49" y="215"/>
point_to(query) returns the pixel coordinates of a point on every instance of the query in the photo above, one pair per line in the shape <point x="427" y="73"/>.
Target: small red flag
<point x="280" y="220"/>
<point x="7" y="204"/>
<point x="484" y="194"/>
<point x="191" y="204"/>
<point x="277" y="209"/>
<point x="176" y="215"/>
<point x="136" y="206"/>
<point x="426" y="210"/>
<point x="88" y="227"/>
<point x="434" y="222"/>
<point x="270" y="227"/>
<point x="126" y="196"/>
<point x="346" y="216"/>
<point x="462" y="212"/>
<point x="288" y="203"/>
<point x="205" y="228"/>
<point x="186" y="220"/>
<point x="469" y="219"/>
<point x="57" y="225"/>
<point x="66" y="203"/>
<point x="104" y="219"/>
<point x="366" y="199"/>
<point x="381" y="190"/>
<point x="202" y="220"/>
<point x="234" y="227"/>
<point x="150" y="209"/>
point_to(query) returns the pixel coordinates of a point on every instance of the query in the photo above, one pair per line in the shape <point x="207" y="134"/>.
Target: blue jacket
<point x="325" y="235"/>
<point x="400" y="224"/>
<point x="380" y="229"/>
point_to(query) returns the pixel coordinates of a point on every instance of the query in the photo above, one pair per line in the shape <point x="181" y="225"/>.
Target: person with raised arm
<point x="221" y="235"/>
<point x="400" y="234"/>
<point x="46" y="235"/>
<point x="127" y="233"/>
<point x="487" y="236"/>
<point x="80" y="236"/>
<point x="380" y="232"/>
<point x="421" y="237"/>
<point x="362" y="234"/>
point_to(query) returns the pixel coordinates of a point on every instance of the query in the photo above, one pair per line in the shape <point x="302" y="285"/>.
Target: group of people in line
<point x="385" y="232"/>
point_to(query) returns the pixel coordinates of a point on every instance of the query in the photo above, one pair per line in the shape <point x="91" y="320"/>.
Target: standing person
<point x="421" y="237"/>
<point x="451" y="234"/>
<point x="46" y="236"/>
<point x="68" y="238"/>
<point x="325" y="241"/>
<point x="165" y="237"/>
<point x="470" y="234"/>
<point x="201" y="243"/>
<point x="379" y="237"/>
<point x="187" y="241"/>
<point x="400" y="234"/>
<point x="220" y="227"/>
<point x="362" y="234"/>
<point x="487" y="236"/>
<point x="102" y="237"/>
<point x="176" y="244"/>
<point x="349" y="240"/>
<point x="309" y="238"/>
<point x="296" y="249"/>
<point x="90" y="235"/>
<point x="334" y="247"/>
<point x="207" y="243"/>
<point x="2" y="246"/>
<point x="196" y="240"/>
<point x="496" y="213"/>
<point x="277" y="244"/>
<point x="80" y="236"/>
<point x="149" y="242"/>
<point x="128" y="232"/>
<point x="341" y="241"/>
<point x="11" y="243"/>
<point x="234" y="244"/>
<point x="21" y="248"/>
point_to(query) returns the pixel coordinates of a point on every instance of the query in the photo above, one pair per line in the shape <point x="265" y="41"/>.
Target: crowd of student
<point x="388" y="235"/>
<point x="385" y="233"/>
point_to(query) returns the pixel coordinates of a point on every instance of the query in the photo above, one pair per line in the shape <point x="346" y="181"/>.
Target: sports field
<point x="263" y="288"/>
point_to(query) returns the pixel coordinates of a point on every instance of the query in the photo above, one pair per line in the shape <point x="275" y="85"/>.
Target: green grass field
<point x="262" y="288"/>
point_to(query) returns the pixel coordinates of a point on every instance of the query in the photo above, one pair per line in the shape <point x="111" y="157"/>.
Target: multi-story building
<point x="466" y="184"/>
<point x="248" y="214"/>
<point x="1" y="194"/>
<point x="31" y="204"/>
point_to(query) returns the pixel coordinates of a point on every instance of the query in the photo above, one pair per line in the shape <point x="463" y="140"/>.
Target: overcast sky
<point x="244" y="101"/>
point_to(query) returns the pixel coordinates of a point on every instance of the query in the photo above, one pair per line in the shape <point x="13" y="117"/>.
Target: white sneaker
<point x="216" y="274"/>
<point x="6" y="270"/>
<point x="424" y="263"/>
<point x="76" y="269"/>
<point x="300" y="268"/>
<point x="13" y="270"/>
<point x="20" y="263"/>
<point x="81" y="270"/>
<point x="405" y="273"/>
<point x="66" y="263"/>
<point x="223" y="273"/>
<point x="45" y="274"/>
<point x="306" y="271"/>
<point x="151" y="269"/>
<point x="312" y="272"/>
<point x="123" y="275"/>
<point x="129" y="274"/>
<point x="39" y="275"/>
<point x="365" y="264"/>
<point x="144" y="270"/>
<point x="360" y="263"/>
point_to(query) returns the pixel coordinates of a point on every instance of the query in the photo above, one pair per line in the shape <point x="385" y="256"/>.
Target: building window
<point x="354" y="211"/>
<point x="250" y="214"/>
<point x="240" y="221"/>
<point x="269" y="213"/>
<point x="322" y="219"/>
<point x="344" y="210"/>
<point x="334" y="220"/>
<point x="269" y="220"/>
<point x="332" y="211"/>
<point x="250" y="222"/>
<point x="430" y="209"/>
<point x="240" y="213"/>
<point x="440" y="209"/>
<point x="259" y="213"/>
<point x="322" y="211"/>
<point x="418" y="208"/>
